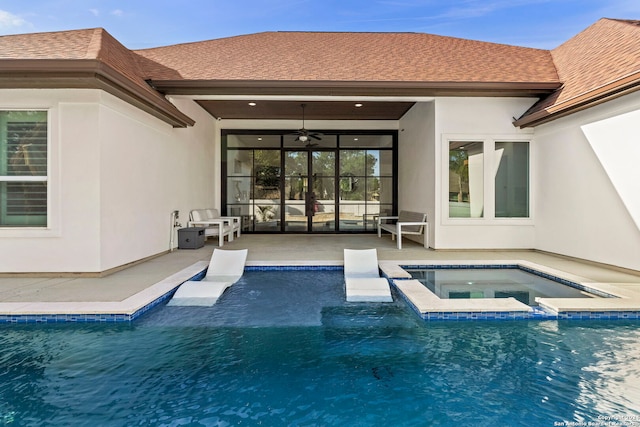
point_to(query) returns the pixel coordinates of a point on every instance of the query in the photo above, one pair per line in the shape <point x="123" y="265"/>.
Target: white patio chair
<point x="220" y="227"/>
<point x="406" y="223"/>
<point x="235" y="222"/>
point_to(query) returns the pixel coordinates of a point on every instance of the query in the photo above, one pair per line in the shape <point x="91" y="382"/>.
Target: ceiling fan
<point x="304" y="135"/>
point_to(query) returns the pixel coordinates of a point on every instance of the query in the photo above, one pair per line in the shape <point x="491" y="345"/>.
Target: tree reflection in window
<point x="466" y="192"/>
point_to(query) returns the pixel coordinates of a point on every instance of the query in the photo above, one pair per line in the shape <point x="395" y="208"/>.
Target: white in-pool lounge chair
<point x="225" y="268"/>
<point x="362" y="278"/>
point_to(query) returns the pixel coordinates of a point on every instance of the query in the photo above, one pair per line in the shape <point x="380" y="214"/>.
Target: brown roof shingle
<point x="74" y="59"/>
<point x="76" y="44"/>
<point x="600" y="62"/>
<point x="363" y="57"/>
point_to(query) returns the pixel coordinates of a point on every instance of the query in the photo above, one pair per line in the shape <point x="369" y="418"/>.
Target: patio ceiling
<point x="314" y="110"/>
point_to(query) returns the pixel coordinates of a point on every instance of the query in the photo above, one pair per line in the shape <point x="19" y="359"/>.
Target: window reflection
<point x="466" y="182"/>
<point x="23" y="168"/>
<point x="512" y="180"/>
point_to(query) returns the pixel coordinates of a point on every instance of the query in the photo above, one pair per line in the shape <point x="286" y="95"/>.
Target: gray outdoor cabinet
<point x="191" y="238"/>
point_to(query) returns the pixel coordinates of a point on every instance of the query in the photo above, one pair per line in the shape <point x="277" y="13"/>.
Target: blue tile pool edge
<point x="123" y="317"/>
<point x="524" y="268"/>
<point x="536" y="314"/>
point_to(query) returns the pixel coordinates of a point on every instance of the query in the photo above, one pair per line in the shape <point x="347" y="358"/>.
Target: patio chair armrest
<point x="230" y="219"/>
<point x="399" y="226"/>
<point x="380" y="218"/>
<point x="224" y="220"/>
<point x="219" y="223"/>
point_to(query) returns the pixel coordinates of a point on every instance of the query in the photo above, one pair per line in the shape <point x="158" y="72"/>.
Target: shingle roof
<point x="73" y="58"/>
<point x="60" y="45"/>
<point x="373" y="57"/>
<point x="600" y="62"/>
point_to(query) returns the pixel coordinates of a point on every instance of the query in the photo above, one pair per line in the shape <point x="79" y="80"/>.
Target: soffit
<point x="314" y="110"/>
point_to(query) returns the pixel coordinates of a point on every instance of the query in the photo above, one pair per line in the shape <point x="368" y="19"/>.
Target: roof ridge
<point x="198" y="42"/>
<point x="347" y="33"/>
<point x="95" y="45"/>
<point x="75" y="30"/>
<point x="634" y="22"/>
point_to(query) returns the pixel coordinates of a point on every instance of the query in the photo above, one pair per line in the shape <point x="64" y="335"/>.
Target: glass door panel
<point x="266" y="216"/>
<point x="352" y="216"/>
<point x="323" y="170"/>
<point x="296" y="187"/>
<point x="352" y="187"/>
<point x="265" y="194"/>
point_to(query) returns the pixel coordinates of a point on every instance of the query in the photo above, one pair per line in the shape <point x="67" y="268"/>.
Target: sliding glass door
<point x="337" y="185"/>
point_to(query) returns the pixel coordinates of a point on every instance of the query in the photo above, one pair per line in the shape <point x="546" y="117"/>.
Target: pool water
<point x="493" y="283"/>
<point x="288" y="350"/>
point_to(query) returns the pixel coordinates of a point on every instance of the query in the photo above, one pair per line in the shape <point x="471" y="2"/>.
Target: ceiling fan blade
<point x="303" y="135"/>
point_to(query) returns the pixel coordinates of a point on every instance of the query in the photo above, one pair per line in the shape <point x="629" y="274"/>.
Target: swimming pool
<point x="467" y="283"/>
<point x="295" y="353"/>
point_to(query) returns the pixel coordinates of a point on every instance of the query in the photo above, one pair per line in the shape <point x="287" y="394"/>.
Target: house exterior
<point x="503" y="147"/>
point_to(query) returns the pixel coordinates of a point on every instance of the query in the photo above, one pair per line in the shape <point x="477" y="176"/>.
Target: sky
<point x="140" y="24"/>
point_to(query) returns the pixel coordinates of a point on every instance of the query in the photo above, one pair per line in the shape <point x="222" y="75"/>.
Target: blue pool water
<point x="467" y="283"/>
<point x="277" y="352"/>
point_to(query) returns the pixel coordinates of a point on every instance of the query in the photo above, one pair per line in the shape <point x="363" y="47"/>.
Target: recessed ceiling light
<point x="355" y="139"/>
<point x="252" y="104"/>
<point x="358" y="105"/>
<point x="259" y="138"/>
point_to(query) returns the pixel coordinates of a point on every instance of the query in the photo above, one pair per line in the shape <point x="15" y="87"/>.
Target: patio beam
<point x="354" y="88"/>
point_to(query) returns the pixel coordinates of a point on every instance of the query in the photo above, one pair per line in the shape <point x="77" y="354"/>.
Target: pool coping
<point x="626" y="304"/>
<point x="128" y="309"/>
<point x="623" y="303"/>
<point x="111" y="311"/>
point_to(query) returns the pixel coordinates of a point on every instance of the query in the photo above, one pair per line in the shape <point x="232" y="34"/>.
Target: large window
<point x="466" y="179"/>
<point x="23" y="168"/>
<point x="495" y="185"/>
<point x="512" y="179"/>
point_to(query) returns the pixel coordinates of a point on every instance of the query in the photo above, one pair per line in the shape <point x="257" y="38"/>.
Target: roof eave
<point x="354" y="88"/>
<point x="88" y="74"/>
<point x="589" y="99"/>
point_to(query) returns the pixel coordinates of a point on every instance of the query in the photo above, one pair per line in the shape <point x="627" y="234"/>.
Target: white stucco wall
<point x="416" y="162"/>
<point x="586" y="173"/>
<point x="474" y="119"/>
<point x="149" y="170"/>
<point x="115" y="175"/>
<point x="71" y="241"/>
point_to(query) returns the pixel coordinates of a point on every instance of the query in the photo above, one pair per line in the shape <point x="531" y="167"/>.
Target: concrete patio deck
<point x="134" y="287"/>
